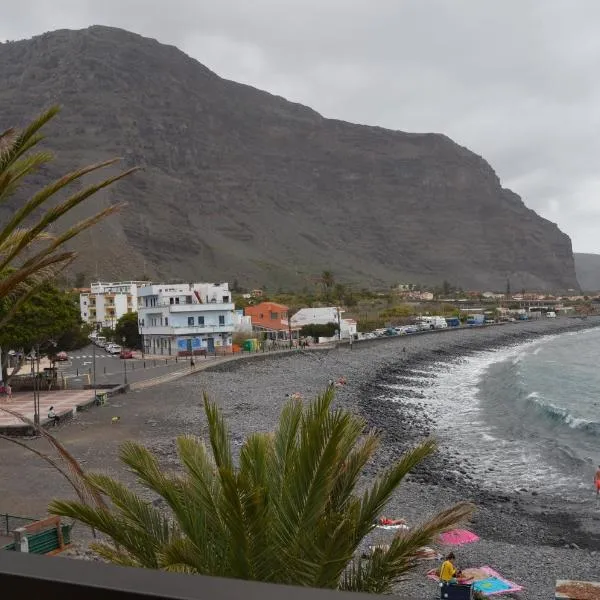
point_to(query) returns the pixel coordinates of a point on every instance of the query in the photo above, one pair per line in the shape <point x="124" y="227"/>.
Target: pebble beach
<point x="529" y="538"/>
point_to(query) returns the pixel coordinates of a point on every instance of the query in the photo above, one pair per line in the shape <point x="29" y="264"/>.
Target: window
<point x="166" y="321"/>
<point x="274" y="316"/>
<point x="201" y="321"/>
<point x="221" y="319"/>
<point x="225" y="299"/>
<point x="171" y="300"/>
<point x="188" y="299"/>
<point x="177" y="300"/>
<point x="190" y="321"/>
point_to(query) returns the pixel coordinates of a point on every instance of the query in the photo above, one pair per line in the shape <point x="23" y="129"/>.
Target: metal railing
<point x="31" y="576"/>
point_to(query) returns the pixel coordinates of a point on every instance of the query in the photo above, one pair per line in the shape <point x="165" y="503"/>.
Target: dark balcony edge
<point x="50" y="578"/>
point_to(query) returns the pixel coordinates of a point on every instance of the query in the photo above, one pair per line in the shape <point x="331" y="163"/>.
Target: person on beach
<point x="448" y="572"/>
<point x="387" y="521"/>
<point x="597" y="481"/>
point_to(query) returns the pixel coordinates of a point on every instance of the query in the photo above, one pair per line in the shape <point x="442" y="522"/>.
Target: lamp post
<point x="94" y="369"/>
<point x="337" y="308"/>
<point x="124" y="365"/>
<point x="36" y="413"/>
<point x="142" y="337"/>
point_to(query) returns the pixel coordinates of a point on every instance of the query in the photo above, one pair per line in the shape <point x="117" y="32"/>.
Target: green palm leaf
<point x="288" y="511"/>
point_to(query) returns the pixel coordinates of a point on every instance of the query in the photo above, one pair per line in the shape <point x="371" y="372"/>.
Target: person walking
<point x="597" y="481"/>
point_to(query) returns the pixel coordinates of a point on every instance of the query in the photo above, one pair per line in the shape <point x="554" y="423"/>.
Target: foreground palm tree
<point x="289" y="512"/>
<point x="29" y="254"/>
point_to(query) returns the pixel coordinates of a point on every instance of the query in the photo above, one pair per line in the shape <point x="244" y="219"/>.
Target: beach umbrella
<point x="458" y="537"/>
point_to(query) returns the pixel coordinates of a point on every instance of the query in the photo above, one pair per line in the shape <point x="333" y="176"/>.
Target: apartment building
<point x="106" y="302"/>
<point x="186" y="318"/>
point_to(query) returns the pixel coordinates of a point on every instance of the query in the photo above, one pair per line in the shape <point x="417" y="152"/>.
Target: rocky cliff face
<point x="240" y="184"/>
<point x="587" y="267"/>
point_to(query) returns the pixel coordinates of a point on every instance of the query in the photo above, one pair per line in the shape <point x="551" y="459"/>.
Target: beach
<point x="530" y="537"/>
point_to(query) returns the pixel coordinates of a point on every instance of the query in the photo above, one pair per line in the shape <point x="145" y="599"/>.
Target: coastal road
<point x="111" y="369"/>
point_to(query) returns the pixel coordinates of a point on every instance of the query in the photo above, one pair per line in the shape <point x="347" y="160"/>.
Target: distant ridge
<point x="239" y="184"/>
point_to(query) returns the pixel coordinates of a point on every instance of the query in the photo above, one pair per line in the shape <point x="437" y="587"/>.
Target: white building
<point x="241" y="323"/>
<point x="322" y="316"/>
<point x="185" y="318"/>
<point x="106" y="302"/>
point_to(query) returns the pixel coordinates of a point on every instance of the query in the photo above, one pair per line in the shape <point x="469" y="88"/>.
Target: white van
<point x="551" y="315"/>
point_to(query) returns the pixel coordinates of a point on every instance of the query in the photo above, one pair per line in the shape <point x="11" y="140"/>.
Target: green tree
<point x="292" y="511"/>
<point x="29" y="252"/>
<point x="79" y="280"/>
<point x="328" y="282"/>
<point x="127" y="332"/>
<point x="43" y="318"/>
<point x="317" y="330"/>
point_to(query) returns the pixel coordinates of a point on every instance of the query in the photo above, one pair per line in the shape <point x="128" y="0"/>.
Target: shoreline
<point x="523" y="536"/>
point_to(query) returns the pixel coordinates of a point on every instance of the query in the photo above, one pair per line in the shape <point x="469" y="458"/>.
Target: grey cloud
<point x="514" y="81"/>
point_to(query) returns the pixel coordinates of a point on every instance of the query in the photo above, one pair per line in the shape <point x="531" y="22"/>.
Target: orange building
<point x="272" y="319"/>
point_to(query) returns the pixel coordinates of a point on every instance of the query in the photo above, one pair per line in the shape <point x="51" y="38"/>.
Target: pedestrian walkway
<point x="91" y="356"/>
<point x="65" y="404"/>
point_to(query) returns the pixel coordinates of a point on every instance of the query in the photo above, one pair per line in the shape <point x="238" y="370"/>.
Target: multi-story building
<point x="185" y="318"/>
<point x="105" y="302"/>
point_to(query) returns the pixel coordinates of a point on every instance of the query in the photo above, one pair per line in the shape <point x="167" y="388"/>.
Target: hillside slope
<point x="241" y="184"/>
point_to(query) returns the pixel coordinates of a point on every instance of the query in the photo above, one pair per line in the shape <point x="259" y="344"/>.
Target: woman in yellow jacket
<point x="448" y="572"/>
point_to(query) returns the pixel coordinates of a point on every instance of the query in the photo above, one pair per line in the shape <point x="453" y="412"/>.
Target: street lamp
<point x="124" y="366"/>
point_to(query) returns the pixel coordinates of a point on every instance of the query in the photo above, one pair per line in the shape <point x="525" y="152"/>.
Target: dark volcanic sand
<point x="523" y="536"/>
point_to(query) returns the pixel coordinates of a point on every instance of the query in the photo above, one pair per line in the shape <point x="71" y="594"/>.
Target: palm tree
<point x="29" y="254"/>
<point x="328" y="281"/>
<point x="288" y="512"/>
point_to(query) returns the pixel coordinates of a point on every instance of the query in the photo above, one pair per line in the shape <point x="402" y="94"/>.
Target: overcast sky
<point x="517" y="81"/>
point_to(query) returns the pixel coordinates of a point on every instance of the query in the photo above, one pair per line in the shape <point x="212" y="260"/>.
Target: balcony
<point x="32" y="576"/>
<point x="186" y="329"/>
<point x="196" y="308"/>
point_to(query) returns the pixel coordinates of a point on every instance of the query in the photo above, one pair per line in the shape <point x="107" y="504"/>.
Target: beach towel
<point x="458" y="537"/>
<point x="427" y="553"/>
<point x="393" y="527"/>
<point x="484" y="580"/>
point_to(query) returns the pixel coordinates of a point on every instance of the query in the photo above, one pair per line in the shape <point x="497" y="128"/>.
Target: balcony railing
<point x="49" y="578"/>
<point x="194" y="307"/>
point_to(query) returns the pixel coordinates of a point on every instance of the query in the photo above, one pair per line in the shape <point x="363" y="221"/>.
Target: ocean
<point x="525" y="417"/>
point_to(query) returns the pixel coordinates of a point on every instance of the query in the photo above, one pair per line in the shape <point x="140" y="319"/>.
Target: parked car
<point x="62" y="356"/>
<point x="126" y="354"/>
<point x="114" y="349"/>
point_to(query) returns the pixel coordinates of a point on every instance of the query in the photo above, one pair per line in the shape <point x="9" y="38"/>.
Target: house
<point x="104" y="303"/>
<point x="322" y="316"/>
<point x="271" y="318"/>
<point x="185" y="318"/>
<point x="241" y="323"/>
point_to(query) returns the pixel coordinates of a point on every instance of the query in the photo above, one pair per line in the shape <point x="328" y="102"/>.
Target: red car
<point x="62" y="356"/>
<point x="126" y="354"/>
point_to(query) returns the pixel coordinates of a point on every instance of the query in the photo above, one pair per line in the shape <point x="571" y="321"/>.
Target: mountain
<point x="241" y="184"/>
<point x="587" y="267"/>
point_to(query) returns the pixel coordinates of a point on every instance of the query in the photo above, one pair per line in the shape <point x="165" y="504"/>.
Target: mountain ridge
<point x="242" y="184"/>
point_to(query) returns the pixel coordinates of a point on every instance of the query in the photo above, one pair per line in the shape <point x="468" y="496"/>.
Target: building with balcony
<point x="104" y="303"/>
<point x="271" y="319"/>
<point x="185" y="318"/>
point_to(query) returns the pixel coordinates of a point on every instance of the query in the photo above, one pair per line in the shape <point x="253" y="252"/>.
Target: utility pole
<point x="289" y="320"/>
<point x="339" y="323"/>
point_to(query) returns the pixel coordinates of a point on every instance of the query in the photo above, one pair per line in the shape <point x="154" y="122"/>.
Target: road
<point x="111" y="369"/>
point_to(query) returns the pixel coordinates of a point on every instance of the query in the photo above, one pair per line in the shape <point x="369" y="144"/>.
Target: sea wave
<point x="563" y="416"/>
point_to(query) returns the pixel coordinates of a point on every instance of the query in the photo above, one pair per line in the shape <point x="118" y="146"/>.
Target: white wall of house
<point x="176" y="318"/>
<point x="323" y="315"/>
<point x="107" y="302"/>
